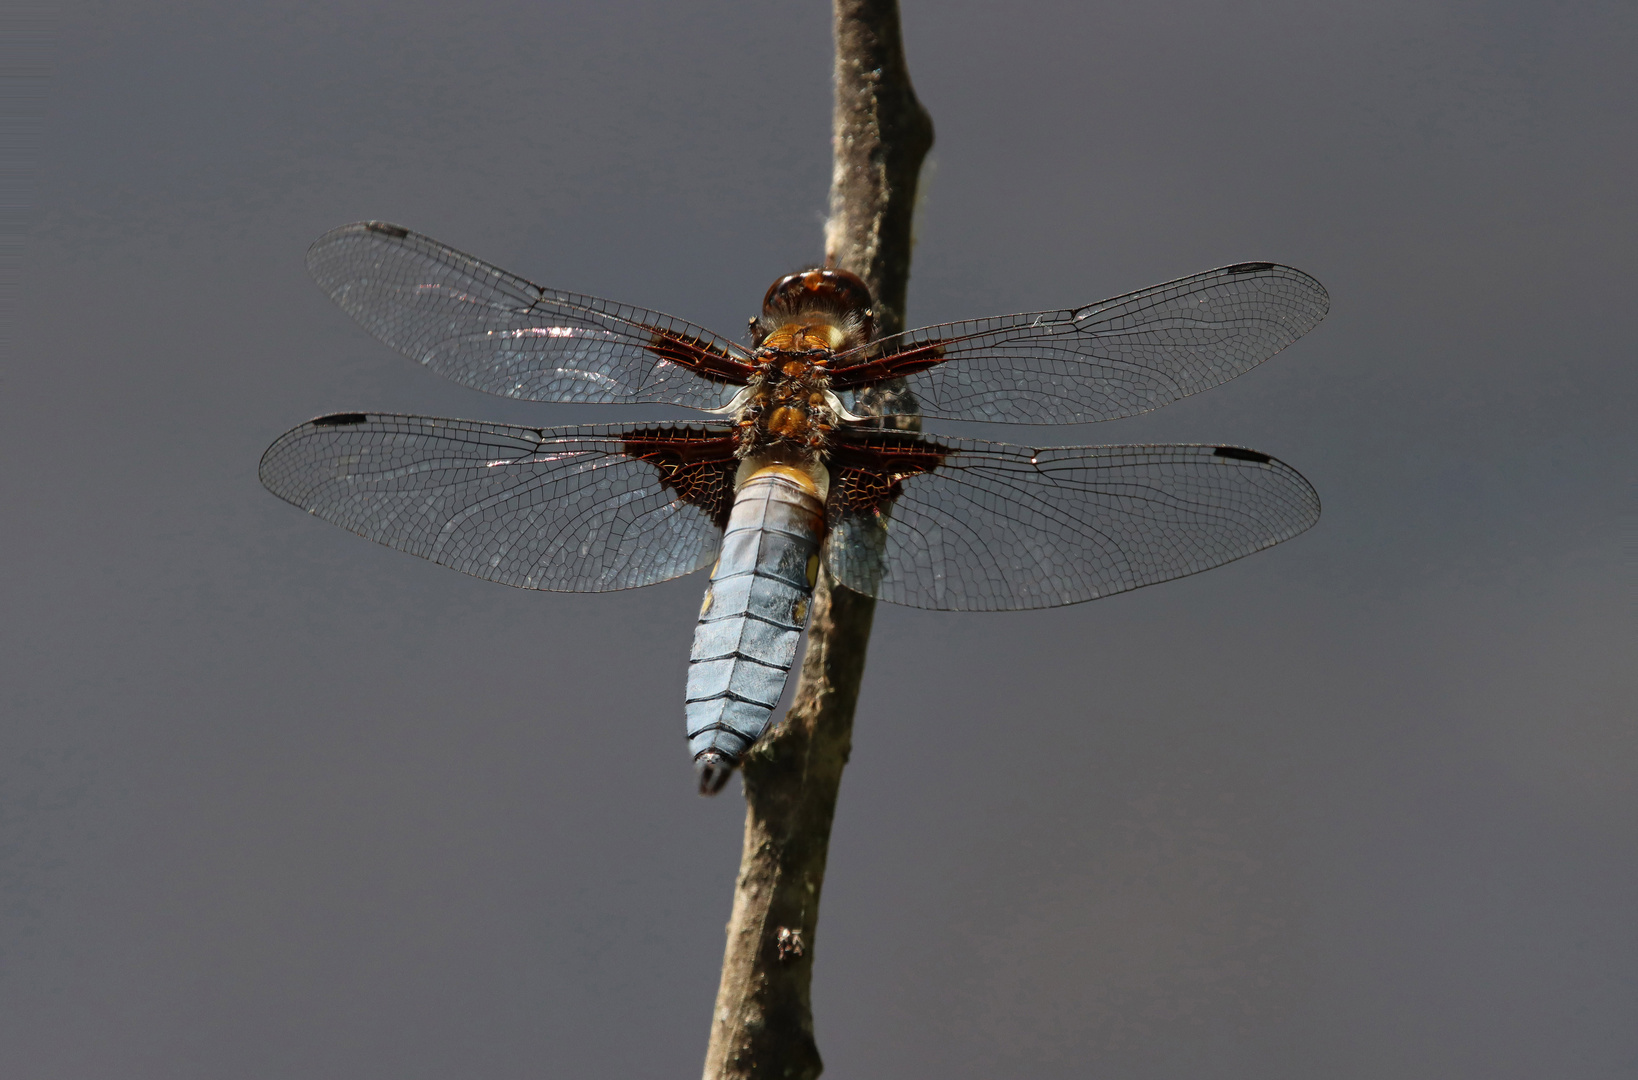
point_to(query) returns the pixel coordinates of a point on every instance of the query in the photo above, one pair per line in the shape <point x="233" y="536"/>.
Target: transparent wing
<point x="581" y="509"/>
<point x="975" y="526"/>
<point x="496" y="332"/>
<point x="1117" y="358"/>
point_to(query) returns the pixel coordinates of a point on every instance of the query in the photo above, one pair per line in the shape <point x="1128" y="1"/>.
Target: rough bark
<point x="762" y="1025"/>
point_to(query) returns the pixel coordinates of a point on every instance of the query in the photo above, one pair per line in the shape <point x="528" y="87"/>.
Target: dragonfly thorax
<point x="788" y="404"/>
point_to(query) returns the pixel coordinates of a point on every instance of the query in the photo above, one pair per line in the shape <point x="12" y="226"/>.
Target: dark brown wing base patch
<point x="697" y="463"/>
<point x="893" y="366"/>
<point x="699" y="357"/>
<point x="867" y="472"/>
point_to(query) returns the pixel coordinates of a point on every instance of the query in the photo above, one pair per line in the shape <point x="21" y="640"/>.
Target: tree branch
<point x="762" y="1025"/>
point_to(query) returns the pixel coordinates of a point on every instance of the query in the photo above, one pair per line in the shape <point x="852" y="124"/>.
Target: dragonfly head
<point x="824" y="294"/>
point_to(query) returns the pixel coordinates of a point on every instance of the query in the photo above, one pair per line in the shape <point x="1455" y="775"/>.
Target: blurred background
<point x="278" y="802"/>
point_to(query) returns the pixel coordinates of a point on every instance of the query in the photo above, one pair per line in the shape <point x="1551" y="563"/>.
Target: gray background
<point x="277" y="802"/>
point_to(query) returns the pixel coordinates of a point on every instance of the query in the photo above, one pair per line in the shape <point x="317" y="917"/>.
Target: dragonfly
<point x="808" y="452"/>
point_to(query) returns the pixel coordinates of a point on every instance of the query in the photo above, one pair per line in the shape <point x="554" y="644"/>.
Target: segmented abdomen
<point x="753" y="612"/>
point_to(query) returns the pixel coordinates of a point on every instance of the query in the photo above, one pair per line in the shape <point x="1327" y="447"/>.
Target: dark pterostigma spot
<point x="1242" y="455"/>
<point x="1247" y="268"/>
<point x="384" y="227"/>
<point x="341" y="419"/>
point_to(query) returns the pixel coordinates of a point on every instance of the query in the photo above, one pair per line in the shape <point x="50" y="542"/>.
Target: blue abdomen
<point x="753" y="615"/>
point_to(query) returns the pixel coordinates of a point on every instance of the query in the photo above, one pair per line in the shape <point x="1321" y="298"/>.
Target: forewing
<point x="974" y="526"/>
<point x="580" y="509"/>
<point x="1117" y="358"/>
<point x="496" y="332"/>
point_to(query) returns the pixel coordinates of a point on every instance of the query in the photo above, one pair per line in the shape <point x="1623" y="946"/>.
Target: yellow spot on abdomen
<point x="800" y="477"/>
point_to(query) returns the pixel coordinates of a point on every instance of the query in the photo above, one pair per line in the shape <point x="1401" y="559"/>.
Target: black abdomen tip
<point x="714" y="770"/>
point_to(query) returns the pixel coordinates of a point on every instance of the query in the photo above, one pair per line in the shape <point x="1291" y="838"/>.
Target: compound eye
<point x="784" y="295"/>
<point x="824" y="289"/>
